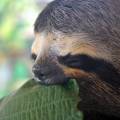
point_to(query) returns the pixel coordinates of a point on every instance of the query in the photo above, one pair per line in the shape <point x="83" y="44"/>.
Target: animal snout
<point x="40" y="71"/>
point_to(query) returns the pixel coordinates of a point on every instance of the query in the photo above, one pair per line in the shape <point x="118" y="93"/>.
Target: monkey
<point x="80" y="39"/>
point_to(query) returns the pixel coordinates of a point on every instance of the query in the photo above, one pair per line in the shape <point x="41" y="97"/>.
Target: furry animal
<point x="81" y="39"/>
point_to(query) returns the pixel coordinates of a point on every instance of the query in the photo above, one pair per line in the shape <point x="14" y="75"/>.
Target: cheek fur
<point x="87" y="64"/>
<point x="74" y="73"/>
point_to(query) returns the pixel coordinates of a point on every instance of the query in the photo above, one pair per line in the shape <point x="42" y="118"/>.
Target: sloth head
<point x="56" y="56"/>
<point x="67" y="45"/>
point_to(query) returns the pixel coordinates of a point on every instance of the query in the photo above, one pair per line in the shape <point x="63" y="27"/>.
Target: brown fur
<point x="107" y="97"/>
<point x="89" y="29"/>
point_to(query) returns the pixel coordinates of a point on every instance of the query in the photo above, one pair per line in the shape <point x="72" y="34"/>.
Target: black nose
<point x="38" y="71"/>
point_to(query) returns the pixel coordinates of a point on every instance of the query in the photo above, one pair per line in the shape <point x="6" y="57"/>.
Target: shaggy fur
<point x="82" y="42"/>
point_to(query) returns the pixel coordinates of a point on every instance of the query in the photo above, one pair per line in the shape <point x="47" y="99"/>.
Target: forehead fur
<point x="98" y="18"/>
<point x="62" y="44"/>
<point x="70" y="16"/>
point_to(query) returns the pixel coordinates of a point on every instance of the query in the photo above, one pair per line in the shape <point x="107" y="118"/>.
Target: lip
<point x="51" y="81"/>
<point x="45" y="82"/>
<point x="37" y="79"/>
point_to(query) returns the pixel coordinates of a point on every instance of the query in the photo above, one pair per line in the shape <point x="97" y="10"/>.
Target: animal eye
<point x="33" y="56"/>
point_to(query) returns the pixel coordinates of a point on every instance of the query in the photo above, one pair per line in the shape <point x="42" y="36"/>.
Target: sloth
<point x="80" y="39"/>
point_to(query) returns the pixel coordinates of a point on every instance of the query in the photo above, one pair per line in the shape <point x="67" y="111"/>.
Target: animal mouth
<point x="52" y="81"/>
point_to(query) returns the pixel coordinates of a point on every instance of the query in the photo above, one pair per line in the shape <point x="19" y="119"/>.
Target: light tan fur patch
<point x="60" y="44"/>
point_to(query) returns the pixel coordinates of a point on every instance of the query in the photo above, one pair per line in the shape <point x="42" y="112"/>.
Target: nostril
<point x="41" y="75"/>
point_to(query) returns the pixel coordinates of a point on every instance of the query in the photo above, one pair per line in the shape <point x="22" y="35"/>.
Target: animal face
<point x="68" y="44"/>
<point x="81" y="39"/>
<point x="59" y="57"/>
<point x="50" y="50"/>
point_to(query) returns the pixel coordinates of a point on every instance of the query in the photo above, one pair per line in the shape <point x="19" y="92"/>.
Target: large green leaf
<point x="38" y="102"/>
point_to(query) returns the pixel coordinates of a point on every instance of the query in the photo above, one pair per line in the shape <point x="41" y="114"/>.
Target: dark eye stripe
<point x="105" y="70"/>
<point x="79" y="61"/>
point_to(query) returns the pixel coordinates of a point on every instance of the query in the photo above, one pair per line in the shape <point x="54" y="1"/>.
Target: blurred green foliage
<point x="16" y="26"/>
<point x="13" y="23"/>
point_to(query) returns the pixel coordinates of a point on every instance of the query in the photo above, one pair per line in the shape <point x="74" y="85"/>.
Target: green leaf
<point x="39" y="102"/>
